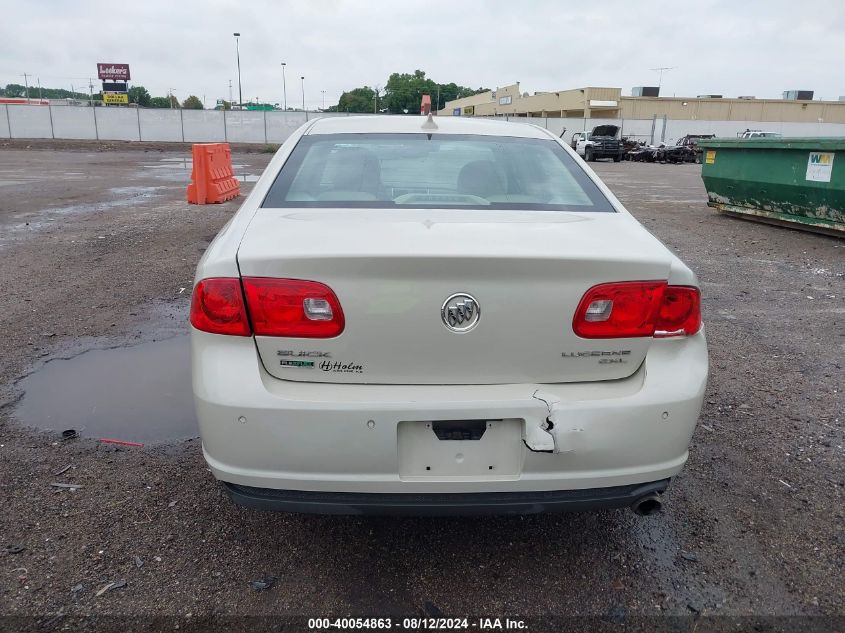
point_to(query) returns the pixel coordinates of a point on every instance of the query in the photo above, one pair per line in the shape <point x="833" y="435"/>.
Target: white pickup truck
<point x="758" y="134"/>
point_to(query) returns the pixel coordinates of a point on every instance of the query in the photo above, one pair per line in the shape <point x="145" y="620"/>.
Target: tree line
<point x="402" y="94"/>
<point x="136" y="94"/>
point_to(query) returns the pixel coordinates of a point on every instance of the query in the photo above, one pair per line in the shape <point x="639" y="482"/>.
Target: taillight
<point x="292" y="307"/>
<point x="217" y="306"/>
<point x="619" y="310"/>
<point x="680" y="312"/>
<point x="632" y="309"/>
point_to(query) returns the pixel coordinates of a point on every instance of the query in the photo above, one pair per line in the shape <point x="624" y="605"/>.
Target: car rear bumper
<point x="441" y="504"/>
<point x="265" y="433"/>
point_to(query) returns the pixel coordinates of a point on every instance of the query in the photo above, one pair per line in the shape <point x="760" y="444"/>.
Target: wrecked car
<point x="442" y="315"/>
<point x="602" y="142"/>
<point x="686" y="149"/>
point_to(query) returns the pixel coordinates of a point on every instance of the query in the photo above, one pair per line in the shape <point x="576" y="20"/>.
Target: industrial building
<point x="609" y="103"/>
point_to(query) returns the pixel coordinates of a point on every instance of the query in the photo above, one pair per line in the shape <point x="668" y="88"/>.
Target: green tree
<point x="15" y="90"/>
<point x="192" y="103"/>
<point x="139" y="95"/>
<point x="162" y="102"/>
<point x="356" y="100"/>
<point x="452" y="91"/>
<point x="403" y="91"/>
<point x="19" y="91"/>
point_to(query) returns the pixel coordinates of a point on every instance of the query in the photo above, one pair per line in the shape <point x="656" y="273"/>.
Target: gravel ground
<point x="97" y="244"/>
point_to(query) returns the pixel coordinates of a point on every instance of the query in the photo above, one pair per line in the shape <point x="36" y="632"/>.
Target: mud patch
<point x="140" y="393"/>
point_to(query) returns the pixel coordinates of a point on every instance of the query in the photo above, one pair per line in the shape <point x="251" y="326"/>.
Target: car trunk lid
<point x="393" y="271"/>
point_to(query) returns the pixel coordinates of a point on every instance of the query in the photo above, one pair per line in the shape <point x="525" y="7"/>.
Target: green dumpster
<point x="795" y="181"/>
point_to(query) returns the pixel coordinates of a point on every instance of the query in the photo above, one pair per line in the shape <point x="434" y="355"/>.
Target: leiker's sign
<point x="111" y="72"/>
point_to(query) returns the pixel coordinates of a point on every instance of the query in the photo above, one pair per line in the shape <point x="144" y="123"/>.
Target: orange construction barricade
<point x="212" y="178"/>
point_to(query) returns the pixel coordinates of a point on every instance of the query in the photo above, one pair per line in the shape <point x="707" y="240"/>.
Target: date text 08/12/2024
<point x="417" y="624"/>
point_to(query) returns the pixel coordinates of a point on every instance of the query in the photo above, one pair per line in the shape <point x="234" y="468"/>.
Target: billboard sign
<point x="115" y="97"/>
<point x="114" y="86"/>
<point x="112" y="72"/>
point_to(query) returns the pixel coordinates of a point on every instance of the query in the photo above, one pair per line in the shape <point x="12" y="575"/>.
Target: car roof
<point x="409" y="124"/>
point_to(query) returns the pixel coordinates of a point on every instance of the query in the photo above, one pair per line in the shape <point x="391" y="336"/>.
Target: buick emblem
<point x="460" y="312"/>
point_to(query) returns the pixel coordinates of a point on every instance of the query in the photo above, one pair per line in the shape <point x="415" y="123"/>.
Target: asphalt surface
<point x="98" y="247"/>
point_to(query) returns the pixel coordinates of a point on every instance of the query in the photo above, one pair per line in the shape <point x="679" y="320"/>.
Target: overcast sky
<point x="731" y="47"/>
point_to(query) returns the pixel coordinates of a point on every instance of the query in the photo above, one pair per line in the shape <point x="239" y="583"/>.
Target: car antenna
<point x="425" y="109"/>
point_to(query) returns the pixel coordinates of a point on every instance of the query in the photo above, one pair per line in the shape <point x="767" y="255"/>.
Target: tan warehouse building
<point x="597" y="102"/>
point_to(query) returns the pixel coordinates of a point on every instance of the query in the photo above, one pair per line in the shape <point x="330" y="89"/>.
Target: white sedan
<point x="441" y="315"/>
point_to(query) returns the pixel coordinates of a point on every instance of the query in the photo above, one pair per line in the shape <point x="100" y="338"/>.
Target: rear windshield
<point x="378" y="171"/>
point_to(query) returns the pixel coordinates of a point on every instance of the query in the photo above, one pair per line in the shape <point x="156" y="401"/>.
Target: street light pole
<point x="238" y="52"/>
<point x="303" y="93"/>
<point x="284" y="86"/>
<point x="324" y="99"/>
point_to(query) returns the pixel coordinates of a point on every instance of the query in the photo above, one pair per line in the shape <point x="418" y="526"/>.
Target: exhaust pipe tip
<point x="648" y="505"/>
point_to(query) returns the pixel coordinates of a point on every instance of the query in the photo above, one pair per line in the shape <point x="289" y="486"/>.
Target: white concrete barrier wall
<point x="159" y="124"/>
<point x="74" y="123"/>
<point x="27" y="121"/>
<point x="660" y="130"/>
<point x="117" y="124"/>
<point x="202" y="126"/>
<point x="4" y="121"/>
<point x="280" y="125"/>
<point x="255" y="126"/>
<point x="245" y="126"/>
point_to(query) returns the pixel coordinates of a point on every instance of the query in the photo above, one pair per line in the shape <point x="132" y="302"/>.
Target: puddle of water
<point x="140" y="393"/>
<point x="125" y="197"/>
<point x="173" y="169"/>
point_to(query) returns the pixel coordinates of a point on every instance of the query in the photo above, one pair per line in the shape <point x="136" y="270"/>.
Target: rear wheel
<point x="617" y="158"/>
<point x="588" y="154"/>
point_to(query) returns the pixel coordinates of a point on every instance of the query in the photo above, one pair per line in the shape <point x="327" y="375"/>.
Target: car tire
<point x="588" y="154"/>
<point x="617" y="158"/>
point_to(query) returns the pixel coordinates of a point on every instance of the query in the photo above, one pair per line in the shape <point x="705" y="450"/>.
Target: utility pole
<point x="284" y="86"/>
<point x="26" y="83"/>
<point x="40" y="94"/>
<point x="238" y="51"/>
<point x="90" y="92"/>
<point x="661" y="70"/>
<point x="438" y="99"/>
<point x="324" y="99"/>
<point x="303" y="93"/>
<point x="230" y="93"/>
